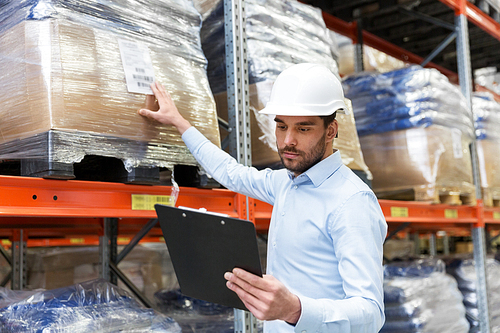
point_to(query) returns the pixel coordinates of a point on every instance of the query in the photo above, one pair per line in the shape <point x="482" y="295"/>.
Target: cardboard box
<point x="433" y="158"/>
<point x="57" y="74"/>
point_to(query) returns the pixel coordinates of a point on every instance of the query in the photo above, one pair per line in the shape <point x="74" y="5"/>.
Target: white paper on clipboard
<point x="137" y="65"/>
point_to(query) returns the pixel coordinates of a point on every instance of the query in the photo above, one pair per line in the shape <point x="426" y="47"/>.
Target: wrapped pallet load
<point x="415" y="129"/>
<point x="487" y="122"/>
<point x="464" y="271"/>
<point x="420" y="297"/>
<point x="92" y="306"/>
<point x="373" y="59"/>
<point x="279" y="34"/>
<point x="74" y="73"/>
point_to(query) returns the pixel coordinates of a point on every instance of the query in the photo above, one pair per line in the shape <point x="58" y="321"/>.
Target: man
<point x="324" y="270"/>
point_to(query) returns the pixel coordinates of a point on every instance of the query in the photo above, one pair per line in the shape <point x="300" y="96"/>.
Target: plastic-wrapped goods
<point x="420" y="297"/>
<point x="61" y="72"/>
<point x="464" y="271"/>
<point x="148" y="266"/>
<point x="430" y="161"/>
<point x="279" y="33"/>
<point x="195" y="315"/>
<point x="373" y="59"/>
<point x="487" y="122"/>
<point x="488" y="77"/>
<point x="93" y="306"/>
<point x="415" y="130"/>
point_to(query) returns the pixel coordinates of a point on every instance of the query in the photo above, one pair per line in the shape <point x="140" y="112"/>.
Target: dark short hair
<point x="327" y="120"/>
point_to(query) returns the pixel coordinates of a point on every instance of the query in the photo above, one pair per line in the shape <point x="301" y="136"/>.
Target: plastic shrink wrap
<point x="61" y="73"/>
<point x="93" y="306"/>
<point x="279" y="34"/>
<point x="373" y="59"/>
<point x="464" y="271"/>
<point x="488" y="77"/>
<point x="420" y="297"/>
<point x="148" y="266"/>
<point x="487" y="122"/>
<point x="195" y="315"/>
<point x="414" y="129"/>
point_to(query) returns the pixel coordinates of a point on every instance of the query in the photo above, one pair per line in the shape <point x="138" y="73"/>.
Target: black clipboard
<point x="203" y="247"/>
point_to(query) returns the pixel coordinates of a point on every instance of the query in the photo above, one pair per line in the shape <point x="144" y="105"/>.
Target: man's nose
<point x="290" y="139"/>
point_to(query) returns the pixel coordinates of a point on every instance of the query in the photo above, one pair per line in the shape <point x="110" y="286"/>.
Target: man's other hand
<point x="266" y="297"/>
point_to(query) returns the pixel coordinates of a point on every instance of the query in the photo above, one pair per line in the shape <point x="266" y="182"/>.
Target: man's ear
<point x="332" y="130"/>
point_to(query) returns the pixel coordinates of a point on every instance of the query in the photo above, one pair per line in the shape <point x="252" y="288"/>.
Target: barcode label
<point x="137" y="65"/>
<point x="148" y="202"/>
<point x="144" y="78"/>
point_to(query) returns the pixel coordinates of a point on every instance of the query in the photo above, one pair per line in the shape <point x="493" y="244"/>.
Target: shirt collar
<point x="319" y="172"/>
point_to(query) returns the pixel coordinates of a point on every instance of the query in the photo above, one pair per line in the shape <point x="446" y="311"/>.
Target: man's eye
<point x="302" y="129"/>
<point x="281" y="127"/>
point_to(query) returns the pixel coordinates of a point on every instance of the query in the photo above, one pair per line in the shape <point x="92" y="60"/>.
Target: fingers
<point x="160" y="91"/>
<point x="147" y="113"/>
<point x="252" y="302"/>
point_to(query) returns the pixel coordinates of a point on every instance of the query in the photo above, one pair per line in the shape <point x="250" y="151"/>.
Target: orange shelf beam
<point x="71" y="209"/>
<point x="492" y="215"/>
<point x="475" y="15"/>
<point x="78" y="241"/>
<point x="36" y="197"/>
<point x="407" y="211"/>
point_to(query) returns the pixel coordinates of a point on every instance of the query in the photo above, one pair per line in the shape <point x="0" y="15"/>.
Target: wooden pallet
<point x="491" y="197"/>
<point x="449" y="196"/>
<point x="53" y="154"/>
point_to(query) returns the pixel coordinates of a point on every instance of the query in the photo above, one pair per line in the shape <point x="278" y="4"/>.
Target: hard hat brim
<point x="294" y="110"/>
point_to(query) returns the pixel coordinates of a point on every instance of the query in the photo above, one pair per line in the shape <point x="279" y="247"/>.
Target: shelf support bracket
<point x="19" y="260"/>
<point x="439" y="48"/>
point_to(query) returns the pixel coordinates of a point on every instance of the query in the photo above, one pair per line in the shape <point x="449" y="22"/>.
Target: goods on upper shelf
<point x="74" y="73"/>
<point x="93" y="306"/>
<point x="420" y="297"/>
<point x="373" y="59"/>
<point x="464" y="271"/>
<point x="415" y="130"/>
<point x="279" y="34"/>
<point x="487" y="122"/>
<point x="488" y="77"/>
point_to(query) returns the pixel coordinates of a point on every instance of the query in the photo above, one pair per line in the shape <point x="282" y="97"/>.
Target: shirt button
<point x="295" y="187"/>
<point x="274" y="244"/>
<point x="304" y="331"/>
<point x="282" y="213"/>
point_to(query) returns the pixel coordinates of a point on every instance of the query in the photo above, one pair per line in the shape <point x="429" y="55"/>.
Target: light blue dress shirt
<point x="325" y="238"/>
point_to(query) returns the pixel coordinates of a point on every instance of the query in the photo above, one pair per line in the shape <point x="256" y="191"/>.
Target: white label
<point x="137" y="65"/>
<point x="456" y="138"/>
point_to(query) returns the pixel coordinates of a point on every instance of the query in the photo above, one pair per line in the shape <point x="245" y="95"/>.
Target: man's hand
<point x="266" y="297"/>
<point x="163" y="109"/>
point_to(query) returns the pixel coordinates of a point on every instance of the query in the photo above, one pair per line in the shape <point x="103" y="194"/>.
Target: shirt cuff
<point x="311" y="316"/>
<point x="193" y="138"/>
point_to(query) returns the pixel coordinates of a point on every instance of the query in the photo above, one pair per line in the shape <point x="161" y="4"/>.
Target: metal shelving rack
<point x="84" y="212"/>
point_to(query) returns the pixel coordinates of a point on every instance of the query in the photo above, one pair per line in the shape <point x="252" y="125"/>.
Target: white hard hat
<point x="305" y="90"/>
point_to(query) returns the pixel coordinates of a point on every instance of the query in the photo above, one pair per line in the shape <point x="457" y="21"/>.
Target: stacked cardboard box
<point x="82" y="71"/>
